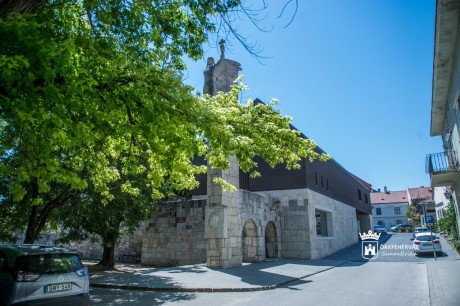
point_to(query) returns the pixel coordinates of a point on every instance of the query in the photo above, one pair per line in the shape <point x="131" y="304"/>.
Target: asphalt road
<point x="395" y="247"/>
<point x="396" y="277"/>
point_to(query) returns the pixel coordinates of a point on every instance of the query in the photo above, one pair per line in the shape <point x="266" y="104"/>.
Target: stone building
<point x="306" y="213"/>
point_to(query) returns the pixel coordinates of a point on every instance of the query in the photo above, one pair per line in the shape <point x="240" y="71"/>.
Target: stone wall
<point x="92" y="249"/>
<point x="236" y="222"/>
<point x="222" y="219"/>
<point x="294" y="222"/>
<point x="176" y="235"/>
<point x="298" y="223"/>
<point x="258" y="211"/>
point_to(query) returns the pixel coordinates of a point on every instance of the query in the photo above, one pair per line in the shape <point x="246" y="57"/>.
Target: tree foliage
<point x="92" y="97"/>
<point x="448" y="223"/>
<point x="413" y="215"/>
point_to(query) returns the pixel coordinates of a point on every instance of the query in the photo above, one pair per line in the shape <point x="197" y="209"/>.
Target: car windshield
<point x="48" y="263"/>
<point x="426" y="238"/>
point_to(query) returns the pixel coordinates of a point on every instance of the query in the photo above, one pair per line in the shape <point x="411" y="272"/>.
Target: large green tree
<point x="90" y="88"/>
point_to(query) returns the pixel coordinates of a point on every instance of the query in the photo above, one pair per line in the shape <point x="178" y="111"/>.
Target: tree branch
<point x="8" y="7"/>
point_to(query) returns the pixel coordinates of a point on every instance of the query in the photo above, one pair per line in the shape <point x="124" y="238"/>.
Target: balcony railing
<point x="441" y="162"/>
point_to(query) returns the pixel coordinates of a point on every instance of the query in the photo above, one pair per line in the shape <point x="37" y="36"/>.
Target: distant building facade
<point x="389" y="208"/>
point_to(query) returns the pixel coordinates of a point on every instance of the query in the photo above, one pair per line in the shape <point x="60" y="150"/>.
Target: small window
<point x="378" y="211"/>
<point x="322" y="182"/>
<point x="327" y="184"/>
<point x="457" y="108"/>
<point x="360" y="194"/>
<point x="323" y="223"/>
<point x="316" y="178"/>
<point x="292" y="205"/>
<point x="397" y="210"/>
<point x="380" y="223"/>
<point x="366" y="200"/>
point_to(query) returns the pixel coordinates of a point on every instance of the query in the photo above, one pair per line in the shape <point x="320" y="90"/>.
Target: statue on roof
<point x="210" y="63"/>
<point x="222" y="48"/>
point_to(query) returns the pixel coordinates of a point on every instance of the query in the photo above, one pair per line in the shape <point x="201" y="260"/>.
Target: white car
<point x="427" y="243"/>
<point x="420" y="230"/>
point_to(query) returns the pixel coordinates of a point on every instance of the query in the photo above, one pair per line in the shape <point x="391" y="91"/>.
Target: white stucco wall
<point x="388" y="216"/>
<point x="344" y="225"/>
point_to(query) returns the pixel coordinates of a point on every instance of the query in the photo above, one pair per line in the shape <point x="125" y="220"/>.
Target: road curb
<point x="210" y="290"/>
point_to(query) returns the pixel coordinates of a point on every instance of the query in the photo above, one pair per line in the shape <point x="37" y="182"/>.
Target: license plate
<point x="58" y="287"/>
<point x="427" y="244"/>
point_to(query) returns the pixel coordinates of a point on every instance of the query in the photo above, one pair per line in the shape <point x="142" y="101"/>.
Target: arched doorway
<point x="271" y="245"/>
<point x="249" y="241"/>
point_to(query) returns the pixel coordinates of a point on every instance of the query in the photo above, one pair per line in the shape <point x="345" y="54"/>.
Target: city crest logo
<point x="370" y="245"/>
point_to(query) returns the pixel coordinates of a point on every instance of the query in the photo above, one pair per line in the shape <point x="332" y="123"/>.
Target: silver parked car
<point x="42" y="275"/>
<point x="427" y="243"/>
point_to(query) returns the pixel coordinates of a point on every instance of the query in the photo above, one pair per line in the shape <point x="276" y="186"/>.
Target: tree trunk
<point x="108" y="257"/>
<point x="31" y="232"/>
<point x="39" y="214"/>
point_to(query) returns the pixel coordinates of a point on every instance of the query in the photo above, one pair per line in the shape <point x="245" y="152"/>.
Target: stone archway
<point x="249" y="241"/>
<point x="271" y="241"/>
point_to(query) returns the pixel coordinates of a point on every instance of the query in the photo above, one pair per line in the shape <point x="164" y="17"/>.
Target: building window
<point x="378" y="211"/>
<point x="323" y="223"/>
<point x="380" y="223"/>
<point x="398" y="222"/>
<point x="292" y="205"/>
<point x="322" y="182"/>
<point x="397" y="210"/>
<point x="457" y="108"/>
<point x="327" y="184"/>
<point x="366" y="200"/>
<point x="316" y="178"/>
<point x="360" y="195"/>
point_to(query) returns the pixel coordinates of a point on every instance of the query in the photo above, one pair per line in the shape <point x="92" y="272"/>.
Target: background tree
<point x="85" y="217"/>
<point x="89" y="88"/>
<point x="412" y="215"/>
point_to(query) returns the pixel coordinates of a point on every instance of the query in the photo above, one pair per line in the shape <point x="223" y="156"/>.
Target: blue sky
<point x="355" y="75"/>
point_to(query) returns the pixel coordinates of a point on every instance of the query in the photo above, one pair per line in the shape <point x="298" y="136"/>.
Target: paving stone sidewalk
<point x="198" y="278"/>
